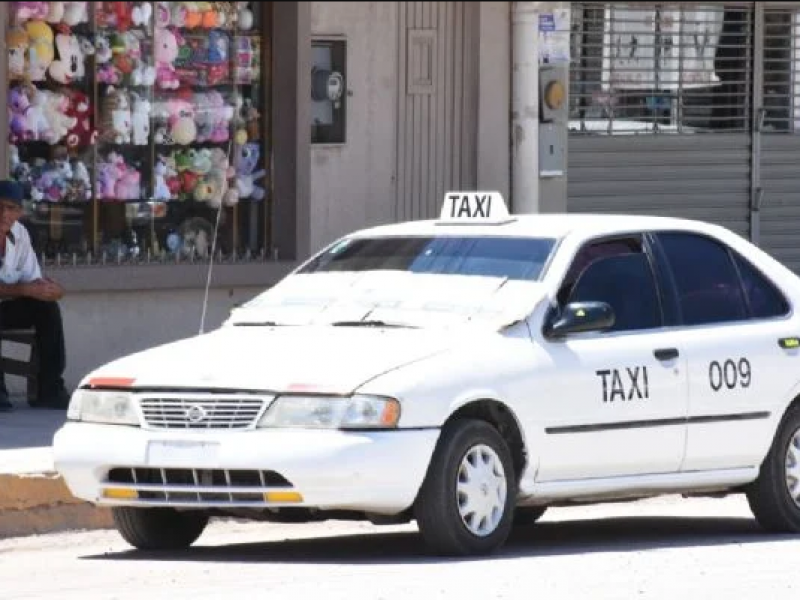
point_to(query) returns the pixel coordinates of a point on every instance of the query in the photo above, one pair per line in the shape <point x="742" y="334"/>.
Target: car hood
<point x="320" y="359"/>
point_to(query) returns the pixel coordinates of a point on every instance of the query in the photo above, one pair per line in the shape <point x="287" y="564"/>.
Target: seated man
<point x="29" y="300"/>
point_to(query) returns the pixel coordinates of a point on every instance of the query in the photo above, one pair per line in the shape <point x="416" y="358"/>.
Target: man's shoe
<point x="5" y="403"/>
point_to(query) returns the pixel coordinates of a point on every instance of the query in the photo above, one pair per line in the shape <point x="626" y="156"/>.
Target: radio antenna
<point x="208" y="274"/>
<point x="236" y="95"/>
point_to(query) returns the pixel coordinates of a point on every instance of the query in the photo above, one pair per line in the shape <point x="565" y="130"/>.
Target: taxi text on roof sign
<point x="474" y="208"/>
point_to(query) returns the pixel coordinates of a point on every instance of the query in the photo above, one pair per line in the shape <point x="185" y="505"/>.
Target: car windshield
<point x="521" y="258"/>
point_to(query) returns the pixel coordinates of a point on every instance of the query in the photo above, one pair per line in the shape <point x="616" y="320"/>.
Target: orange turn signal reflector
<point x="391" y="413"/>
<point x="283" y="497"/>
<point x="111" y="382"/>
<point x="120" y="494"/>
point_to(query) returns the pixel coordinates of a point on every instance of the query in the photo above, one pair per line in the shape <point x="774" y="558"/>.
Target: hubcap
<point x="793" y="467"/>
<point x="481" y="490"/>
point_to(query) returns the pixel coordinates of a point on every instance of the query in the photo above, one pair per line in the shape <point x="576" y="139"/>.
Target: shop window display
<point x="137" y="128"/>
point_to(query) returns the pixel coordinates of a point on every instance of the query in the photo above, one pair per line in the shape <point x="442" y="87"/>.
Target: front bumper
<point x="376" y="471"/>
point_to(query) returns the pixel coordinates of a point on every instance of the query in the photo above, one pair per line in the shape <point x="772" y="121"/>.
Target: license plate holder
<point x="182" y="453"/>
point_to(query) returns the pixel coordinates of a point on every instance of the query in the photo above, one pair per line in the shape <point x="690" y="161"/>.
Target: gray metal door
<point x="437" y="105"/>
<point x="777" y="147"/>
<point x="660" y="110"/>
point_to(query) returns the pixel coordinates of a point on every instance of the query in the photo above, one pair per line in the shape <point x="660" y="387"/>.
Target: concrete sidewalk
<point x="33" y="498"/>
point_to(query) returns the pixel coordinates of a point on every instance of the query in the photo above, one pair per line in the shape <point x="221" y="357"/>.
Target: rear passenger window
<point x="763" y="298"/>
<point x="706" y="279"/>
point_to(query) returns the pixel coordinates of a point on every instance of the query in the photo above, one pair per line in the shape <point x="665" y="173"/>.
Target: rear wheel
<point x="774" y="497"/>
<point x="466" y="502"/>
<point x="158" y="528"/>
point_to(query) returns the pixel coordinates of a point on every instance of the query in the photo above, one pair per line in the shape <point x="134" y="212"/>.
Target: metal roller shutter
<point x="779" y="148"/>
<point x="660" y="119"/>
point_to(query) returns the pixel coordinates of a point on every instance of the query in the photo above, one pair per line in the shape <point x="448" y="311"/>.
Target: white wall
<point x="352" y="185"/>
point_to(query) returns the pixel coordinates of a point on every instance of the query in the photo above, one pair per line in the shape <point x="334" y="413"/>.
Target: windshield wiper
<point x="257" y="324"/>
<point x="370" y="323"/>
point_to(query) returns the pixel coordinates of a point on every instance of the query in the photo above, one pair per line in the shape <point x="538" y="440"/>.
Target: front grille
<point x="201" y="413"/>
<point x="198" y="485"/>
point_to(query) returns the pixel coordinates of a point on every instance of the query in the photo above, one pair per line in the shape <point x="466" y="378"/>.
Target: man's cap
<point x="12" y="191"/>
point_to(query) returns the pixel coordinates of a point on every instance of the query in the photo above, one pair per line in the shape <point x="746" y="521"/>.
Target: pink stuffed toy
<point x="166" y="51"/>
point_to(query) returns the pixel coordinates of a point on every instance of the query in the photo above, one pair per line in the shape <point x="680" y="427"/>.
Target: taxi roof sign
<point x="474" y="207"/>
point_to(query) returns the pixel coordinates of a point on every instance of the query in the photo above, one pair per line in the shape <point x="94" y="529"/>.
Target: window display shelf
<point x="136" y="127"/>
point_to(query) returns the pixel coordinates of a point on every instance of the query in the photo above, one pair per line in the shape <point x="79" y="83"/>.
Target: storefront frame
<point x="289" y="165"/>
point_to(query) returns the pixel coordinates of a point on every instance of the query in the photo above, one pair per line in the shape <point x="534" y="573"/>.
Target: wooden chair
<point x="22" y="368"/>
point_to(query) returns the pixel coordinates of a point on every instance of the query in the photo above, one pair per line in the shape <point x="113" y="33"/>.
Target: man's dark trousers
<point x="45" y="318"/>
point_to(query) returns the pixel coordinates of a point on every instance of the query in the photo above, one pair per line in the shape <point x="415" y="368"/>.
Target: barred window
<point x="660" y="68"/>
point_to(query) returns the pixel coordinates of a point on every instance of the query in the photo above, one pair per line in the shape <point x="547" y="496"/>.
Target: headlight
<point x="327" y="412"/>
<point x="102" y="407"/>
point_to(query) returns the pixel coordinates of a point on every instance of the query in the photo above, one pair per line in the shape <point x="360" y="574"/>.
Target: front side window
<point x="705" y="277"/>
<point x="626" y="283"/>
<point x="519" y="258"/>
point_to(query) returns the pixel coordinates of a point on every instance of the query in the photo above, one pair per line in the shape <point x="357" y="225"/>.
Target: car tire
<point x="769" y="496"/>
<point x="158" y="528"/>
<point x="450" y="482"/>
<point x="528" y="515"/>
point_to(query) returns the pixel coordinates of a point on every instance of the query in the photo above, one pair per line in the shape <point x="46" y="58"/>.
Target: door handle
<point x="666" y="353"/>
<point x="788" y="343"/>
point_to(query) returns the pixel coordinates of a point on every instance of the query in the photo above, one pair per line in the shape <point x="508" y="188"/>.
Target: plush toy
<point x="55" y="12"/>
<point x="141" y="13"/>
<point x="68" y="67"/>
<point x="166" y="51"/>
<point x="59" y="123"/>
<point x="75" y="13"/>
<point x="161" y="189"/>
<point x="246" y="161"/>
<point x="116" y="117"/>
<point x="109" y="171"/>
<point x="24" y="11"/>
<point x="19" y="101"/>
<point x="41" y="51"/>
<point x="181" y="121"/>
<point x="82" y="134"/>
<point x="17" y="43"/>
<point x="129" y="185"/>
<point x="140" y="119"/>
<point x="244" y="16"/>
<point x="163" y="15"/>
<point x="213" y="188"/>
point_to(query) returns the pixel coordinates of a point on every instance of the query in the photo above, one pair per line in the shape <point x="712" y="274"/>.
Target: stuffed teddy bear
<point x="246" y="161"/>
<point x="82" y="134"/>
<point x="59" y="122"/>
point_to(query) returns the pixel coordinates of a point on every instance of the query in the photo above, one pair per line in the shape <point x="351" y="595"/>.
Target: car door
<point x="733" y="321"/>
<point x="614" y="402"/>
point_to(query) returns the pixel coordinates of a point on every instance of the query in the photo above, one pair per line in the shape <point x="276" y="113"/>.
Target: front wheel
<point x="774" y="497"/>
<point x="158" y="528"/>
<point x="466" y="503"/>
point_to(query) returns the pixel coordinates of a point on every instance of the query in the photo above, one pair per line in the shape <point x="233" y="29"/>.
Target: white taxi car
<point x="466" y="372"/>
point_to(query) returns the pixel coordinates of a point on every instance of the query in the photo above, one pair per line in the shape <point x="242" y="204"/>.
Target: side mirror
<point x="580" y="317"/>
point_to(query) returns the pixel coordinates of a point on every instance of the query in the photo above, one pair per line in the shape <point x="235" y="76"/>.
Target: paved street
<point x="663" y="548"/>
